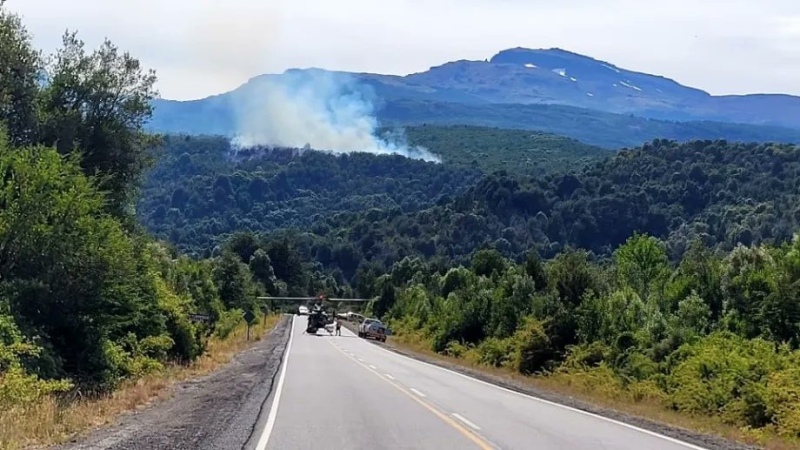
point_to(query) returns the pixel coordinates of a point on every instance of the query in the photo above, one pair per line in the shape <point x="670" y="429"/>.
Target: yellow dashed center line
<point x="471" y="435"/>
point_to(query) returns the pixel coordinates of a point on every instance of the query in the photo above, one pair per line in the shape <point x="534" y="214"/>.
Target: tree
<point x="488" y="262"/>
<point x="99" y="103"/>
<point x="535" y="269"/>
<point x="69" y="274"/>
<point x="261" y="267"/>
<point x="234" y="281"/>
<point x="572" y="276"/>
<point x="20" y="65"/>
<point x="642" y="263"/>
<point x="243" y="244"/>
<point x="287" y="264"/>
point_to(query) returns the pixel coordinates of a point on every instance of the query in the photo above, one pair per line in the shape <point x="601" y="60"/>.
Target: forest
<point x="668" y="272"/>
<point x="364" y="212"/>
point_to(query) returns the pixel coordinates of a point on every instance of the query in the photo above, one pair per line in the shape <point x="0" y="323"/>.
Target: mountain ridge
<point x="508" y="84"/>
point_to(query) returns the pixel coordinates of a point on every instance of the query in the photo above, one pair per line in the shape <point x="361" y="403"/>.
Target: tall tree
<point x="20" y="65"/>
<point x="99" y="103"/>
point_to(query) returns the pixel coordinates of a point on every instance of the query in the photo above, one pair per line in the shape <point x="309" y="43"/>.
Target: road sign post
<point x="249" y="317"/>
<point x="265" y="310"/>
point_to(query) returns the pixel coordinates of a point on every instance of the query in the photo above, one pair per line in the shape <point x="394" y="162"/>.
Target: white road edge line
<point x="273" y="411"/>
<point x="548" y="402"/>
<point x="388" y="376"/>
<point x="466" y="422"/>
<point x="418" y="393"/>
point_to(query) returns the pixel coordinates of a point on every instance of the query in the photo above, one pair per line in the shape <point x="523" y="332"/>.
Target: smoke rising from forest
<point x="315" y="109"/>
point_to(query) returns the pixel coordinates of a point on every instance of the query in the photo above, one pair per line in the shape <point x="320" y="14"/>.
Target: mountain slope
<point x="591" y="127"/>
<point x="216" y="115"/>
<point x="201" y="188"/>
<point x="509" y="90"/>
<point x="556" y="76"/>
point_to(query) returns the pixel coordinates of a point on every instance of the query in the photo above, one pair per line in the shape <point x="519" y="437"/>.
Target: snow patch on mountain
<point x="630" y="86"/>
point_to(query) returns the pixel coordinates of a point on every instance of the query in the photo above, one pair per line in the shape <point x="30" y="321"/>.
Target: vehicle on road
<point x="305" y="304"/>
<point x="372" y="328"/>
<point x="318" y="318"/>
<point x="355" y="318"/>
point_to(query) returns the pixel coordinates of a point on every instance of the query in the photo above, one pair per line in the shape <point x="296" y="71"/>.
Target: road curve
<point x="344" y="392"/>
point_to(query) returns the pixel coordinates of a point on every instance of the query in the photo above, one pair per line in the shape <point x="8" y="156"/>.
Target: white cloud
<point x="205" y="47"/>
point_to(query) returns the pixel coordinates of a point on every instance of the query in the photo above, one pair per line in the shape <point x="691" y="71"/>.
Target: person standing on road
<point x="338" y="327"/>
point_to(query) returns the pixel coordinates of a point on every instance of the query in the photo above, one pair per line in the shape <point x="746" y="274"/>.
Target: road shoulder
<point x="216" y="411"/>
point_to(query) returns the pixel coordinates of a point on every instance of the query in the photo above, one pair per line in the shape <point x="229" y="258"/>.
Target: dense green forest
<point x="521" y="152"/>
<point x="202" y="189"/>
<point x="367" y="212"/>
<point x="592" y="127"/>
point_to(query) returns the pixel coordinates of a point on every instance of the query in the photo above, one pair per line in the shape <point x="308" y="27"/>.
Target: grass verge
<point x="46" y="423"/>
<point x="602" y="392"/>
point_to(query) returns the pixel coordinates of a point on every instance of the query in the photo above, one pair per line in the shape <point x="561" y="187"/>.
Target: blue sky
<point x="204" y="47"/>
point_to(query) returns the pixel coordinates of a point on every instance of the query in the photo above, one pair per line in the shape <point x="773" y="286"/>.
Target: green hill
<point x="491" y="149"/>
<point x="384" y="208"/>
<point x="599" y="128"/>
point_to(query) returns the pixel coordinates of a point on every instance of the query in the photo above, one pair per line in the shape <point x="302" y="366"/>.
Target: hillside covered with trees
<point x="203" y="188"/>
<point x="379" y="209"/>
<point x="523" y="152"/>
<point x="592" y="127"/>
<point x="662" y="275"/>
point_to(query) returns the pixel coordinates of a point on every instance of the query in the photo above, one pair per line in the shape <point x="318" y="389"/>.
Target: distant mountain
<point x="525" y="88"/>
<point x="557" y="76"/>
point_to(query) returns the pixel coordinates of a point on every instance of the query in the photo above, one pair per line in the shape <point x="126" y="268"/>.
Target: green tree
<point x="535" y="269"/>
<point x="97" y="104"/>
<point x="69" y="273"/>
<point x="20" y="65"/>
<point x="488" y="262"/>
<point x="234" y="282"/>
<point x="572" y="276"/>
<point x="261" y="268"/>
<point x="643" y="265"/>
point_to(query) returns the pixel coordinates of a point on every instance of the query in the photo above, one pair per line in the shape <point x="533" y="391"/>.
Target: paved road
<point x="344" y="392"/>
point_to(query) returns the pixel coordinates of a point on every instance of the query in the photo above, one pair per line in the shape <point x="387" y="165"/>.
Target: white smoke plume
<point x="327" y="111"/>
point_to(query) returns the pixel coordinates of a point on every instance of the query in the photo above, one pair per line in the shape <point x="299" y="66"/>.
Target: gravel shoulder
<point x="216" y="412"/>
<point x="706" y="441"/>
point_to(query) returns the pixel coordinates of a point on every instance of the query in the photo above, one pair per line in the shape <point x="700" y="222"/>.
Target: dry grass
<point x="609" y="396"/>
<point x="46" y="423"/>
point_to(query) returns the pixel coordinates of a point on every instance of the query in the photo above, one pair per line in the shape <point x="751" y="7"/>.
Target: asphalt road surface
<point x="344" y="392"/>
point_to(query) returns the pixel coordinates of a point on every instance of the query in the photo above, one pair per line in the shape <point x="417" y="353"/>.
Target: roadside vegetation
<point x="95" y="316"/>
<point x="53" y="419"/>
